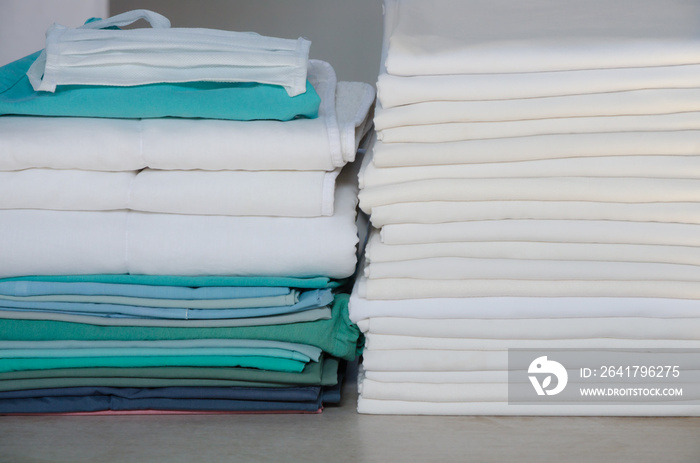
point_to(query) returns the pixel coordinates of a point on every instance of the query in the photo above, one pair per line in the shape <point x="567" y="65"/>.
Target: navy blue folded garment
<point x="231" y="399"/>
<point x="284" y="394"/>
<point x="82" y="404"/>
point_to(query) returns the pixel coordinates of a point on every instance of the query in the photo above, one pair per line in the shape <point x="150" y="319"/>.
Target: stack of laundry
<point x="176" y="232"/>
<point x="535" y="184"/>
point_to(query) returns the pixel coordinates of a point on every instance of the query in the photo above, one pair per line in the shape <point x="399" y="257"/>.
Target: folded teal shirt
<point x="241" y="101"/>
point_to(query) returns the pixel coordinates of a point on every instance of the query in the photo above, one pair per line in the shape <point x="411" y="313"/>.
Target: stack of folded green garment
<point x="160" y="253"/>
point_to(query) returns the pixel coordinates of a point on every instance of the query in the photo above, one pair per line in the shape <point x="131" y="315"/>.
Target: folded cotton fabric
<point x="101" y="306"/>
<point x="593" y="189"/>
<point x="324" y="372"/>
<point x="479" y="360"/>
<point x="262" y="193"/>
<point x="323" y="313"/>
<point x="337" y="336"/>
<point x="457" y="37"/>
<point x="500" y="307"/>
<point x="29" y="287"/>
<point x="377" y="252"/>
<point x="395" y="91"/>
<point x="413" y="288"/>
<point x="638" y="102"/>
<point x="573" y="145"/>
<point x="211" y="100"/>
<point x="468" y="268"/>
<point x="456" y="131"/>
<point x="398" y="407"/>
<point x="465" y="211"/>
<point x="324" y="143"/>
<point x="666" y="166"/>
<point x="119" y="242"/>
<point x="385" y="342"/>
<point x="558" y="231"/>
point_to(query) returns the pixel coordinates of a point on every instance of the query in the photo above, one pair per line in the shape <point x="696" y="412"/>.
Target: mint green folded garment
<point x="45" y="288"/>
<point x="252" y="361"/>
<point x="187" y="281"/>
<point x="338" y="336"/>
<point x="248" y="302"/>
<point x="296" y="317"/>
<point x="210" y="100"/>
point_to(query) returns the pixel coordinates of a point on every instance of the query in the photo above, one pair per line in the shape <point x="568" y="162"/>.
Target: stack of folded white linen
<point x="535" y="184"/>
<point x="185" y="195"/>
<point x="174" y="222"/>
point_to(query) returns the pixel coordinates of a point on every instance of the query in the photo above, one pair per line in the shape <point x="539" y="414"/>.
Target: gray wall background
<point x="347" y="33"/>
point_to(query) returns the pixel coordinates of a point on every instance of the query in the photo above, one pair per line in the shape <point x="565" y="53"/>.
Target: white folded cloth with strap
<point x="94" y="55"/>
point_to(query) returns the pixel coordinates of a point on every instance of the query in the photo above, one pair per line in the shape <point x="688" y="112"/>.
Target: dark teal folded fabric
<point x="211" y="100"/>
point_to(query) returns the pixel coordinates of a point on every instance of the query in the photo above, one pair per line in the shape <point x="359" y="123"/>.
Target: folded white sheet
<point x="464" y="211"/>
<point x="477" y="360"/>
<point x="600" y="166"/>
<point x="476" y="36"/>
<point x="594" y="189"/>
<point x="413" y="288"/>
<point x="398" y="407"/>
<point x="474" y="268"/>
<point x="379" y="342"/>
<point x="501" y="307"/>
<point x="463" y="377"/>
<point x="261" y="193"/>
<point x="556" y="231"/>
<point x="456" y="131"/>
<point x="395" y="91"/>
<point x="680" y="143"/>
<point x="378" y="252"/>
<point x="67" y="242"/>
<point x="639" y="328"/>
<point x="638" y="102"/>
<point x="479" y="392"/>
<point x="324" y="143"/>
